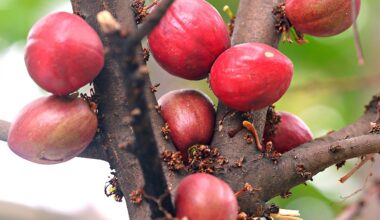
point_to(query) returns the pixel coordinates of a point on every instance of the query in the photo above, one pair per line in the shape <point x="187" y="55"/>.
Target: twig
<point x="250" y="127"/>
<point x="158" y="201"/>
<point x="354" y="210"/>
<point x="359" y="49"/>
<point x="148" y="25"/>
<point x="357" y="167"/>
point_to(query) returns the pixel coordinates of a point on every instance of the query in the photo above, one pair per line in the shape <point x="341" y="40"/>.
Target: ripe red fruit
<point x="250" y="76"/>
<point x="203" y="196"/>
<point x="189" y="38"/>
<point x="52" y="129"/>
<point x="63" y="53"/>
<point x="320" y="18"/>
<point x="289" y="133"/>
<point x="191" y="117"/>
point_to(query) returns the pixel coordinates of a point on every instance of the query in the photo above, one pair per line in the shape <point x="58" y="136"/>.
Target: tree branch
<point x="148" y="25"/>
<point x="254" y="23"/>
<point x="124" y="123"/>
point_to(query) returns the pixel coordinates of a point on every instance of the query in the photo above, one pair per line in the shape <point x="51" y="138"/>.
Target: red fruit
<point x="63" y="53"/>
<point x="189" y="38"/>
<point x="204" y="197"/>
<point x="52" y="129"/>
<point x="250" y="76"/>
<point x="289" y="133"/>
<point x="191" y="117"/>
<point x="320" y="17"/>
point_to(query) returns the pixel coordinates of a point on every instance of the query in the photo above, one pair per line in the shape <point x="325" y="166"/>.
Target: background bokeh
<point x="328" y="91"/>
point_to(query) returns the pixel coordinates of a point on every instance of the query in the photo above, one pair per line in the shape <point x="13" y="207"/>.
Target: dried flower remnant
<point x="112" y="188"/>
<point x="146" y="54"/>
<point x="301" y="170"/>
<point x="165" y="131"/>
<point x="284" y="27"/>
<point x="136" y="196"/>
<point x="173" y="160"/>
<point x="247" y="188"/>
<point x="205" y="159"/>
<point x="140" y="10"/>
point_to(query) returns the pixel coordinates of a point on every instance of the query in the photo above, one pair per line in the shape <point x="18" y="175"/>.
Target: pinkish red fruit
<point x="204" y="197"/>
<point x="250" y="76"/>
<point x="289" y="133"/>
<point x="189" y="38"/>
<point x="52" y="129"/>
<point x="320" y="17"/>
<point x="63" y="53"/>
<point x="190" y="115"/>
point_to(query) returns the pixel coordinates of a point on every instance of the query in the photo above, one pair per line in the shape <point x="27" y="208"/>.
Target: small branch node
<point x="107" y="22"/>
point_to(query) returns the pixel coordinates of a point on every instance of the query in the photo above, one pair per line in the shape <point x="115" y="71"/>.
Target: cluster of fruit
<point x="244" y="77"/>
<point x="63" y="53"/>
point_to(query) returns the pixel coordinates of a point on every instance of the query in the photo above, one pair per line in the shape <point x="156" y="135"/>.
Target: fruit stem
<point x="248" y="125"/>
<point x="359" y="49"/>
<point x="229" y="12"/>
<point x="357" y="167"/>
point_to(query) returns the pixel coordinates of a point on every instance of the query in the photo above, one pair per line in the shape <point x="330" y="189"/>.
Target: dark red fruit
<point x="52" y="129"/>
<point x="191" y="117"/>
<point x="63" y="53"/>
<point x="189" y="38"/>
<point x="320" y="17"/>
<point x="204" y="197"/>
<point x="250" y="76"/>
<point x="289" y="133"/>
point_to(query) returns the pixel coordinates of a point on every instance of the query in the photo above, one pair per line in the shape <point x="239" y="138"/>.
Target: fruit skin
<point x="250" y="76"/>
<point x="63" y="53"/>
<point x="320" y="18"/>
<point x="191" y="118"/>
<point x="52" y="129"/>
<point x="205" y="197"/>
<point x="289" y="133"/>
<point x="189" y="38"/>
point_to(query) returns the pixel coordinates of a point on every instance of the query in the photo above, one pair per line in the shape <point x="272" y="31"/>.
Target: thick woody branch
<point x="254" y="23"/>
<point x="303" y="162"/>
<point x="122" y="98"/>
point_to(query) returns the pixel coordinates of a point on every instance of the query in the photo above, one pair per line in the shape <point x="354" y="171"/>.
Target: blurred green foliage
<point x="329" y="89"/>
<point x="17" y="16"/>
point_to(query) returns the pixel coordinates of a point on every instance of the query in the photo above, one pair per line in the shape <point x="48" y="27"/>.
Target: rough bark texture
<point x="128" y="137"/>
